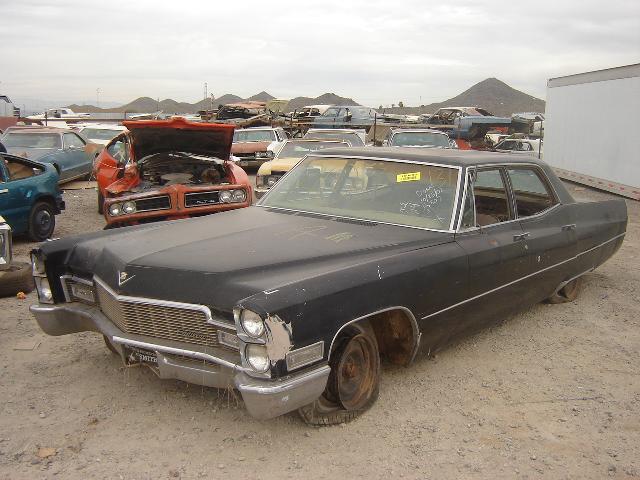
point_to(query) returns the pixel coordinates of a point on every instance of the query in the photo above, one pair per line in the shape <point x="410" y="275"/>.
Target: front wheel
<point x="354" y="380"/>
<point x="42" y="222"/>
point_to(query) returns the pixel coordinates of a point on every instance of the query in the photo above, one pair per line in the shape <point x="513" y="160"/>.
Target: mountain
<point x="324" y="99"/>
<point x="261" y="97"/>
<point x="491" y="94"/>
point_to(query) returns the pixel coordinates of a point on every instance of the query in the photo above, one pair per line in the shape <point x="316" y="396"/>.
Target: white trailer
<point x="592" y="129"/>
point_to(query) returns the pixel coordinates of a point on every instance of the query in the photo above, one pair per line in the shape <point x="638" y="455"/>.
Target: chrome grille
<point x="159" y="321"/>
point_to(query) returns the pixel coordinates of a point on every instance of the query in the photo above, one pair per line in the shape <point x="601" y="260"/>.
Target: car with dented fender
<point x="353" y="256"/>
<point x="169" y="169"/>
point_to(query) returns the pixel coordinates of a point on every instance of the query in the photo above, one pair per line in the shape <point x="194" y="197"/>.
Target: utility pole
<point x="98" y="97"/>
<point x="206" y="95"/>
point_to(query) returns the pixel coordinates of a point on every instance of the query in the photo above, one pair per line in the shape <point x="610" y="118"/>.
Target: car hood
<point x="249" y="147"/>
<point x="149" y="137"/>
<point x="230" y="256"/>
<point x="31" y="153"/>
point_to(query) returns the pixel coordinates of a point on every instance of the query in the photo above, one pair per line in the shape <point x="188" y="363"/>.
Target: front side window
<point x="72" y="140"/>
<point x="331" y="112"/>
<point x="383" y="191"/>
<point x="532" y="194"/>
<point x="118" y="151"/>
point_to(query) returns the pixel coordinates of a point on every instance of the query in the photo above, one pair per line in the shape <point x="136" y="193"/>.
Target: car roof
<point x="334" y="130"/>
<point x="453" y="157"/>
<point x="30" y="129"/>
<point x="256" y="128"/>
<point x="104" y="126"/>
<point x="417" y="130"/>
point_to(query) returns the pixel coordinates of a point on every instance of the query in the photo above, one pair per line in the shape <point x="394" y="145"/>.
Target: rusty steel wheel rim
<point x="356" y="373"/>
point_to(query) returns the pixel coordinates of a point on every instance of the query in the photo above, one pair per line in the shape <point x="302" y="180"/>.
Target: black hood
<point x="233" y="255"/>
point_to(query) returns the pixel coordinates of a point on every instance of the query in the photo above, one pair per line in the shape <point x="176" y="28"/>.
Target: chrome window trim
<point x="217" y="321"/>
<point x="73" y="278"/>
<point x="575" y="257"/>
<point x="360" y="157"/>
<point x="150" y="198"/>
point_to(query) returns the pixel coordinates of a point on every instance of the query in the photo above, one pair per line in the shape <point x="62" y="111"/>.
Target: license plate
<point x="138" y="355"/>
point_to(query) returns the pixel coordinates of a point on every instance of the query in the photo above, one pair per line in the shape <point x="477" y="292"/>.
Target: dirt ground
<point x="553" y="392"/>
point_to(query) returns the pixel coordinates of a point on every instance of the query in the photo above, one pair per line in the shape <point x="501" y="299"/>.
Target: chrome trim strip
<point x="219" y="322"/>
<point x="179" y="351"/>
<point x="359" y="157"/>
<point x="524" y="278"/>
<point x="414" y="324"/>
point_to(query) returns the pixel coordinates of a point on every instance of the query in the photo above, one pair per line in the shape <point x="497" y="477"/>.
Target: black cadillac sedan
<point x="355" y="255"/>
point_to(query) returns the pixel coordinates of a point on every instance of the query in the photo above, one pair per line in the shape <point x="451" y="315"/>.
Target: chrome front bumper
<point x="219" y="368"/>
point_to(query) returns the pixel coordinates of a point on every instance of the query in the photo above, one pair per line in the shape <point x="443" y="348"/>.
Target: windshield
<point x="383" y="191"/>
<point x="353" y="138"/>
<point x="32" y="140"/>
<point x="254" y="136"/>
<point x="300" y="149"/>
<point x="420" y="139"/>
<point x="100" y="133"/>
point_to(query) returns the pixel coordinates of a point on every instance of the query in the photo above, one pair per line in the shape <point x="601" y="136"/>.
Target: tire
<point x="17" y="278"/>
<point x="100" y="202"/>
<point x="354" y="381"/>
<point x="568" y="293"/>
<point x="110" y="345"/>
<point x="42" y="221"/>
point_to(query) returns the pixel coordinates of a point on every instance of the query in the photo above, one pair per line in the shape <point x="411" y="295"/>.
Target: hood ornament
<point x="123" y="277"/>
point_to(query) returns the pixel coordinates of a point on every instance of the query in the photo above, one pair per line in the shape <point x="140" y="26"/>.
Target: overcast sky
<point x="377" y="52"/>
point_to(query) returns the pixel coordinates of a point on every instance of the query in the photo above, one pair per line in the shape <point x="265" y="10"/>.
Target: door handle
<point x="4" y="190"/>
<point x="521" y="236"/>
<point x="566" y="228"/>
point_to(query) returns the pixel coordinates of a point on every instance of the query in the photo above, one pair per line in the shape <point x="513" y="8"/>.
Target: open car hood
<point x="149" y="137"/>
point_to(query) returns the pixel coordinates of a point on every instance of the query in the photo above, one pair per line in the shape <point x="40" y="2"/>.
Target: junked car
<point x="169" y="169"/>
<point x="418" y="138"/>
<point x="527" y="146"/>
<point x="353" y="255"/>
<point x="254" y="146"/>
<point x="356" y="138"/>
<point x="29" y="196"/>
<point x="346" y="116"/>
<point x="70" y="154"/>
<point x="290" y="154"/>
<point x="100" y="133"/>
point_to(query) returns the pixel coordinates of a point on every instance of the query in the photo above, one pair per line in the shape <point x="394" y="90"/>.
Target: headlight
<point x="225" y="196"/>
<point x="257" y="357"/>
<point x="37" y="264"/>
<point x="129" y="207"/>
<point x="239" y="196"/>
<point x="115" y="209"/>
<point x="251" y="323"/>
<point x="44" y="290"/>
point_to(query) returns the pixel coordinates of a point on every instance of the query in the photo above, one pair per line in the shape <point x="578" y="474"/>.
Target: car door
<point x="111" y="160"/>
<point x="548" y="228"/>
<point x="497" y="253"/>
<point x="16" y="197"/>
<point x="77" y="162"/>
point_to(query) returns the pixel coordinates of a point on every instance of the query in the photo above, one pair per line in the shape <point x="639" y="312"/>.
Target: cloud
<point x="376" y="52"/>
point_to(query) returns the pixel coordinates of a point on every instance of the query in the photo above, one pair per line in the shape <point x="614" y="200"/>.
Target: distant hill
<point x="149" y="105"/>
<point x="491" y="94"/>
<point x="324" y="99"/>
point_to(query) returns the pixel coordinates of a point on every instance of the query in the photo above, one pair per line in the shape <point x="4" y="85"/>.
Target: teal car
<point x="29" y="196"/>
<point x="67" y="151"/>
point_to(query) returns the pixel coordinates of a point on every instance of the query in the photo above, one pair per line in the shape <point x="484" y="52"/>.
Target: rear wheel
<point x="568" y="293"/>
<point x="354" y="380"/>
<point x="42" y="221"/>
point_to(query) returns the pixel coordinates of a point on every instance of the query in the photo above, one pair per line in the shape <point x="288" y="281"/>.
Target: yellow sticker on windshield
<point x="408" y="177"/>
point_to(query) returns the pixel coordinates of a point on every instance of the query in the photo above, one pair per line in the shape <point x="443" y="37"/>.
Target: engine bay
<point x="171" y="168"/>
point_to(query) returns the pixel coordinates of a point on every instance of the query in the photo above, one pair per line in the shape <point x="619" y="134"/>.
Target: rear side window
<point x="491" y="199"/>
<point x="72" y="140"/>
<point x="532" y="193"/>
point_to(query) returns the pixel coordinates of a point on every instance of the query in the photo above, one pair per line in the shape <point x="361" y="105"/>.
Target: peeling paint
<point x="278" y="335"/>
